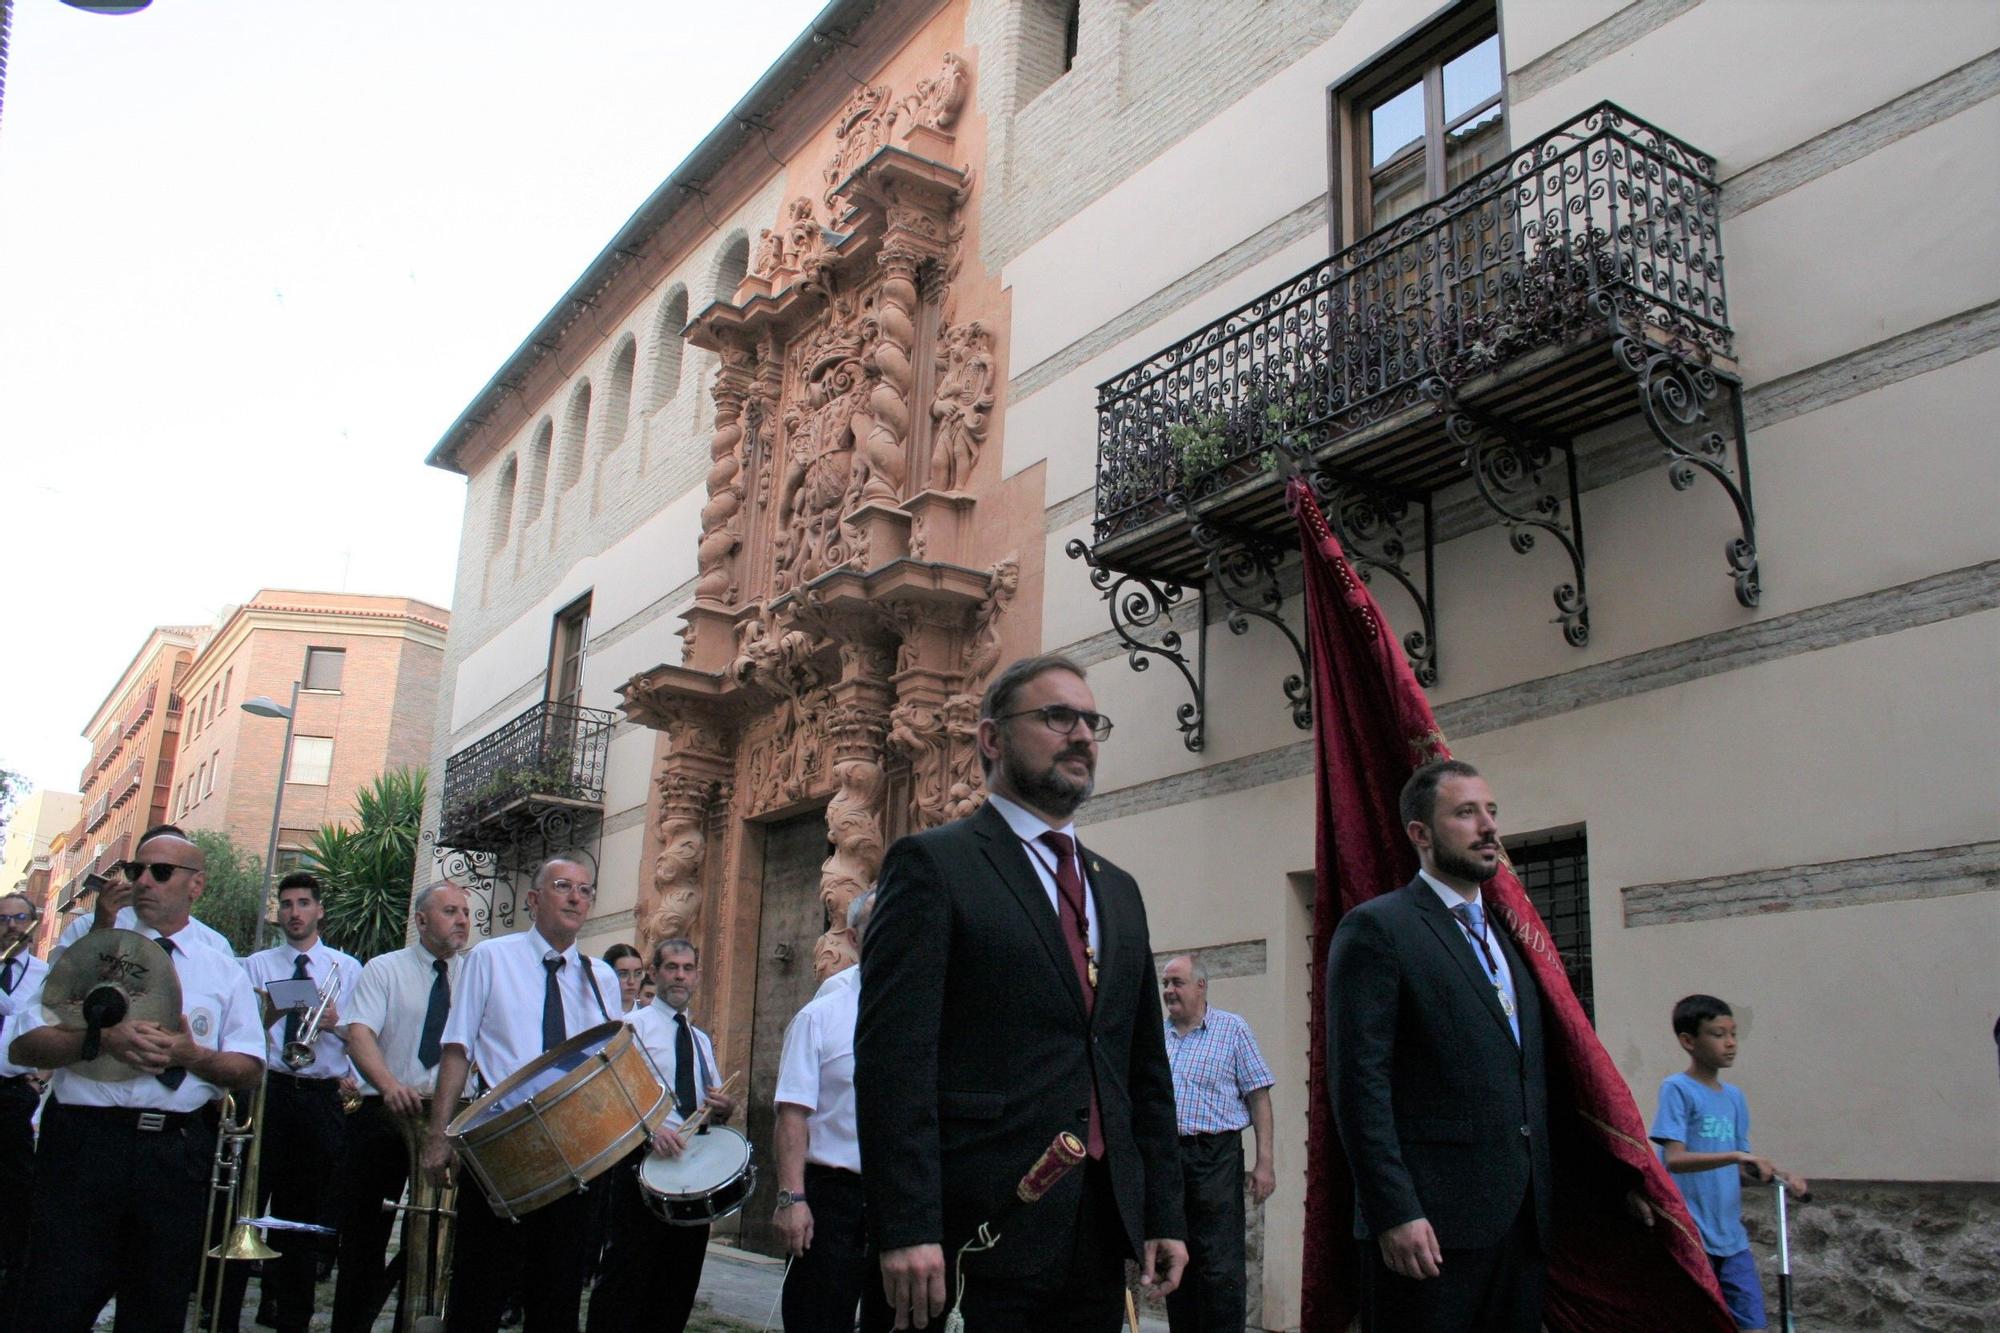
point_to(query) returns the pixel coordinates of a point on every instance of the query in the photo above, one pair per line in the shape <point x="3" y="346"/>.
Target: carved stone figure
<point x="854" y="827"/>
<point x="964" y="401"/>
<point x="937" y="100"/>
<point x="982" y="651"/>
<point x="857" y="134"/>
<point x="815" y="484"/>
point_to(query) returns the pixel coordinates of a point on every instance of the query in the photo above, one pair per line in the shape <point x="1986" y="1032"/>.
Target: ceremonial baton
<point x="1057" y="1160"/>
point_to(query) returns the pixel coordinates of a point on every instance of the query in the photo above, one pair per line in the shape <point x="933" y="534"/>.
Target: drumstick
<point x="693" y="1124"/>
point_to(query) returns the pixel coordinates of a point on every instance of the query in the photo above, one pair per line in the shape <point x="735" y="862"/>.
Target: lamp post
<point x="265" y="706"/>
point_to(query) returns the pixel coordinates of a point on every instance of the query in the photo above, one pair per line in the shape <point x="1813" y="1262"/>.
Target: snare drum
<point x="561" y="1120"/>
<point x="705" y="1184"/>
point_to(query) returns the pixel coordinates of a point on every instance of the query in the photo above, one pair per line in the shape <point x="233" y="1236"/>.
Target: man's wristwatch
<point x="786" y="1198"/>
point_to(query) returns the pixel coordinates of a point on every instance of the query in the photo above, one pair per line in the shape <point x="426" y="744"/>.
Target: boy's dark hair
<point x="301" y="879"/>
<point x="1420" y="794"/>
<point x="1696" y="1010"/>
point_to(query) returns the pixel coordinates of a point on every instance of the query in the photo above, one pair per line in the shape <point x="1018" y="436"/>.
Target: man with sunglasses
<point x="1007" y="988"/>
<point x="122" y="1169"/>
<point x="305" y="1129"/>
<point x="520" y="995"/>
<point x="114" y="900"/>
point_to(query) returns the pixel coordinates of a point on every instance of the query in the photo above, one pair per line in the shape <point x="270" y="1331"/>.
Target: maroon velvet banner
<point x="1372" y="727"/>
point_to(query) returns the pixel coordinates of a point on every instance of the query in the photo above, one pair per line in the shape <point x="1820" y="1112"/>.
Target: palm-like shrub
<point x="366" y="868"/>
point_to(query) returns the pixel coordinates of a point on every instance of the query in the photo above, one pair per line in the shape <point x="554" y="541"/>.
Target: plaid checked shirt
<point x="1216" y="1066"/>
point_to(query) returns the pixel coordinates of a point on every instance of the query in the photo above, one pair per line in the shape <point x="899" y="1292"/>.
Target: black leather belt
<point x="126" y="1117"/>
<point x="1212" y="1134"/>
<point x="303" y="1081"/>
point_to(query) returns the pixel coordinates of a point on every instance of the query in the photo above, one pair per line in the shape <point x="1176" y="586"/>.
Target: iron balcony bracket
<point x="1243" y="568"/>
<point x="490" y="888"/>
<point x="1371" y="520"/>
<point x="1679" y="399"/>
<point x="1141" y="606"/>
<point x="1510" y="469"/>
<point x="529" y="834"/>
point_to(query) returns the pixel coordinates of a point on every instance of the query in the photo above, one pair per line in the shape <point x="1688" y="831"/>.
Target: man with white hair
<point x="395" y="1033"/>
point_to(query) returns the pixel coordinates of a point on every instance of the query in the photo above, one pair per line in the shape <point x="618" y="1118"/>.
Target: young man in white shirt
<point x="304" y="1126"/>
<point x="121" y="1172"/>
<point x="520" y="995"/>
<point x="651" y="1269"/>
<point x="395" y="1037"/>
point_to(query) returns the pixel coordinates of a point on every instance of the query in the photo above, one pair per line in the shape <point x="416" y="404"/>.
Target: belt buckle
<point x="151" y="1122"/>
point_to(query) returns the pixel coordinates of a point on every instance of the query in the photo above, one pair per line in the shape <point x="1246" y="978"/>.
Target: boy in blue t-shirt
<point x="1703" y="1129"/>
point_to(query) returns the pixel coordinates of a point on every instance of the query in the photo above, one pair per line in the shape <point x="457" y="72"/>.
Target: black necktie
<point x="429" y="1051"/>
<point x="684" y="1067"/>
<point x="554" y="1030"/>
<point x="13" y="977"/>
<point x="292" y="1018"/>
<point x="174" y="1076"/>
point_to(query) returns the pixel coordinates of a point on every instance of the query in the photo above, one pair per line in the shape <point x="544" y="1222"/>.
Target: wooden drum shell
<point x="569" y="1133"/>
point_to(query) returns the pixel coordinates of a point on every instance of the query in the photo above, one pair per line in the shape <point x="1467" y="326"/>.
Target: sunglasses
<point x="162" y="870"/>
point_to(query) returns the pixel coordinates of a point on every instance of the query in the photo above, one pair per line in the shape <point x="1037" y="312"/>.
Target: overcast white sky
<point x="256" y="256"/>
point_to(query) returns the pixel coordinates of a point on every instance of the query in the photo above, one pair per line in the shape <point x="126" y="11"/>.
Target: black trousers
<point x="1490" y="1289"/>
<point x="836" y="1272"/>
<point x="116" y="1211"/>
<point x="1212" y="1297"/>
<point x="1087" y="1295"/>
<point x="650" y="1269"/>
<point x="17" y="1169"/>
<point x="540" y="1256"/>
<point x="378" y="1166"/>
<point x="304" y="1132"/>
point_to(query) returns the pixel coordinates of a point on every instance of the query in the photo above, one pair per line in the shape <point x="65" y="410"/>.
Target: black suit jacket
<point x="1442" y="1115"/>
<point x="973" y="1049"/>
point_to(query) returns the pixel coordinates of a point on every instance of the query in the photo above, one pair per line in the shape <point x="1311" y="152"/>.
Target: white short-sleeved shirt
<point x="496" y="1012"/>
<point x="219" y="1010"/>
<point x="329" y="1049"/>
<point x="26" y="972"/>
<point x="653" y="1024"/>
<point x="391" y="999"/>
<point x="127" y="919"/>
<point x="816" y="1070"/>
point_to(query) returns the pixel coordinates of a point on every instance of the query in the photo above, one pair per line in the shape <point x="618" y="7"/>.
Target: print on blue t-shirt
<point x="1708" y="1120"/>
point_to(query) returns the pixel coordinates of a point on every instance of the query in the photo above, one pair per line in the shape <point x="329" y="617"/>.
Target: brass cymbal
<point x="119" y="974"/>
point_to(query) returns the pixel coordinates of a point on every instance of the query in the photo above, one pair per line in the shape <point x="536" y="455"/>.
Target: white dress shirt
<point x="219" y="1010"/>
<point x="816" y="1070"/>
<point x="329" y="1050"/>
<point x="391" y="999"/>
<point x="1029" y="828"/>
<point x="127" y="919"/>
<point x="1452" y="898"/>
<point x="653" y="1024"/>
<point x="496" y="1011"/>
<point x="26" y="972"/>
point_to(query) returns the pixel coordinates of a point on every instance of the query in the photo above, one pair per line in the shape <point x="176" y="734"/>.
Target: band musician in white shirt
<point x="821" y="1211"/>
<point x="395" y="1036"/>
<point x="651" y="1269"/>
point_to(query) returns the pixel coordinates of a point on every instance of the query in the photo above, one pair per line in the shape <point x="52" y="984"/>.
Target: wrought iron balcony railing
<point x="551" y="756"/>
<point x="1606" y="224"/>
<point x="1575" y="283"/>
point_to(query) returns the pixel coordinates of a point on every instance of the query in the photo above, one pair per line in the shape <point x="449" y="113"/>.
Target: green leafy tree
<point x="13" y="786"/>
<point x="233" y="902"/>
<point x="367" y="867"/>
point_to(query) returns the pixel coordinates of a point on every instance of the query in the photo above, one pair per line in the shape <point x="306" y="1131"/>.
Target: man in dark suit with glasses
<point x="1007" y="995"/>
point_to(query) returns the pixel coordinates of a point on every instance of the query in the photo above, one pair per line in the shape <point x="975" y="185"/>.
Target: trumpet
<point x="298" y="1053"/>
<point x="15" y="945"/>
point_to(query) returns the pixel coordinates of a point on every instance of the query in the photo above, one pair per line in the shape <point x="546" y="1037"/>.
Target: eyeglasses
<point x="1062" y="719"/>
<point x="569" y="888"/>
<point x="16" y="918"/>
<point x="162" y="870"/>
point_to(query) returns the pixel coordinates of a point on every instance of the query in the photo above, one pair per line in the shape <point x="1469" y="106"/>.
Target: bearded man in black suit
<point x="1007" y="995"/>
<point x="1438" y="1081"/>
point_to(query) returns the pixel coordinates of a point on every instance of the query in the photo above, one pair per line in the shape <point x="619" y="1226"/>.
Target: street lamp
<point x="265" y="706"/>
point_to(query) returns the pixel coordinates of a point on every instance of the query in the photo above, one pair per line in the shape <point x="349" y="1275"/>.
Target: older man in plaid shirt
<point x="1221" y="1085"/>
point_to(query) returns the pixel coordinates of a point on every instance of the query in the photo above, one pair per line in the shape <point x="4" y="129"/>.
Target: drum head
<point x="710" y="1162"/>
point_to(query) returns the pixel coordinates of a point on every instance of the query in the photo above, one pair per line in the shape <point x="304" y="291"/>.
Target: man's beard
<point x="1459" y="865"/>
<point x="1049" y="791"/>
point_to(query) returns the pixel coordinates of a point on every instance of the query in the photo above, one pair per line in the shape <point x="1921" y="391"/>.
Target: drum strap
<point x="590" y="975"/>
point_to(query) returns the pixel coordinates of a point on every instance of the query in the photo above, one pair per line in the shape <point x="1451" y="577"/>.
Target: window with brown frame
<point x="1418" y="122"/>
<point x="567" y="640"/>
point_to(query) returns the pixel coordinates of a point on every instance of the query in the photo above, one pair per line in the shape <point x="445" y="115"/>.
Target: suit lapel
<point x="1460" y="946"/>
<point x="1009" y="860"/>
